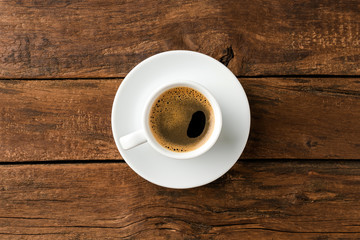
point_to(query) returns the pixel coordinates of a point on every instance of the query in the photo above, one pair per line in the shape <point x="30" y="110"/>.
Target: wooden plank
<point x="304" y="118"/>
<point x="56" y="120"/>
<point x="97" y="38"/>
<point x="259" y="200"/>
<point x="70" y="119"/>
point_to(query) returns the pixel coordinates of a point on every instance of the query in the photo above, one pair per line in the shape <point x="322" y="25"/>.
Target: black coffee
<point x="181" y="119"/>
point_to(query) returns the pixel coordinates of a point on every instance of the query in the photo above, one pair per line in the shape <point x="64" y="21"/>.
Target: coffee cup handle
<point x="133" y="139"/>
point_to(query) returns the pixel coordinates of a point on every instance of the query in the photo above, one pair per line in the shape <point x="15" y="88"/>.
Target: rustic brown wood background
<point x="61" y="176"/>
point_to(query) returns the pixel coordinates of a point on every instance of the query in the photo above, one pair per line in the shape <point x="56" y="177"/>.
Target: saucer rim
<point x="123" y="86"/>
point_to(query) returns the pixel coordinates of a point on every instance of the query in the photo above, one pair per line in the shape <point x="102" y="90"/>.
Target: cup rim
<point x="203" y="148"/>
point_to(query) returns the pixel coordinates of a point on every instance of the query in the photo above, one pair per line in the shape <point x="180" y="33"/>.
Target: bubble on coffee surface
<point x="171" y="118"/>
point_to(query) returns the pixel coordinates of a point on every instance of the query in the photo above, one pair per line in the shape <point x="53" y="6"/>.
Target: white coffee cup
<point x="144" y="134"/>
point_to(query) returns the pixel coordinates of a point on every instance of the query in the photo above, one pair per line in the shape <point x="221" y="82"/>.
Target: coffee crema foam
<point x="171" y="114"/>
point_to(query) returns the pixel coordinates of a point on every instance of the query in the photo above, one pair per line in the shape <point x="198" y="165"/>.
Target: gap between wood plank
<point x="239" y="76"/>
<point x="63" y="162"/>
<point x="47" y="79"/>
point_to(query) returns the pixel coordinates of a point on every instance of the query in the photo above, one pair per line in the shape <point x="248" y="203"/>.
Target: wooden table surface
<point x="61" y="176"/>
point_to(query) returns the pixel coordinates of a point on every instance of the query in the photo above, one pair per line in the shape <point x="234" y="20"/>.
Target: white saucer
<point x="169" y="67"/>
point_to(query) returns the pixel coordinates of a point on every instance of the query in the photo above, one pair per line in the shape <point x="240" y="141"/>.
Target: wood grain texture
<point x="70" y="119"/>
<point x="255" y="200"/>
<point x="56" y="120"/>
<point x="303" y="118"/>
<point x="97" y="38"/>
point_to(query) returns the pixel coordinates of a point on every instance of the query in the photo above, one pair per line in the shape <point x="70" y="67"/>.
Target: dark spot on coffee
<point x="196" y="125"/>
